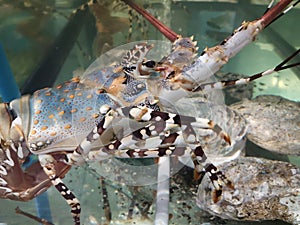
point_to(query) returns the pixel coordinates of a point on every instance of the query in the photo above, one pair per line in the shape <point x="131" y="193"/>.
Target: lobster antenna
<point x="281" y="65"/>
<point x="165" y="30"/>
<point x="281" y="14"/>
<point x="269" y="7"/>
<point x="270" y="16"/>
<point x="278" y="10"/>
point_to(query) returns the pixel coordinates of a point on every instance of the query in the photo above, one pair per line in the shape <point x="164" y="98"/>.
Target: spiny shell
<point x="274" y="123"/>
<point x="264" y="190"/>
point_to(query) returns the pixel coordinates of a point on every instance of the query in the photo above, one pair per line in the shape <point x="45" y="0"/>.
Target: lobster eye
<point x="149" y="63"/>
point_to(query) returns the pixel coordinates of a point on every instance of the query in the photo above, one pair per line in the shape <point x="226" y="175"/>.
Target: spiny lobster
<point x="51" y="121"/>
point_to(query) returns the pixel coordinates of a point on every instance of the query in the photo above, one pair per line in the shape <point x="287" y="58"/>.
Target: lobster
<point x="81" y="120"/>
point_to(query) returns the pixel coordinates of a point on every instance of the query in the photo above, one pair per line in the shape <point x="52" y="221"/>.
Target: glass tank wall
<point x="48" y="42"/>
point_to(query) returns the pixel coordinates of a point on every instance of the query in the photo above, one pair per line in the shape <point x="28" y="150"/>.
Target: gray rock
<point x="264" y="190"/>
<point x="274" y="123"/>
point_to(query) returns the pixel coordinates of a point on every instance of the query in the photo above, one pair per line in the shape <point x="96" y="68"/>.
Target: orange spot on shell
<point x="73" y="110"/>
<point x="53" y="133"/>
<point x="82" y="119"/>
<point x="79" y="94"/>
<point x="51" y="116"/>
<point x="59" y="86"/>
<point x="39" y="101"/>
<point x="71" y="96"/>
<point x="61" y="113"/>
<point x="95" y="115"/>
<point x="35" y="122"/>
<point x="68" y="126"/>
<point x="48" y="93"/>
<point x="89" y="108"/>
<point x="89" y="96"/>
<point x="44" y="128"/>
<point x="33" y="132"/>
<point x="62" y="99"/>
<point x="38" y="112"/>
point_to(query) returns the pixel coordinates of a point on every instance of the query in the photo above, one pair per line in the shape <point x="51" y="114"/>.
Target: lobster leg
<point x="47" y="163"/>
<point x="171" y="147"/>
<point x="168" y="142"/>
<point x="169" y="121"/>
<point x="162" y="122"/>
<point x="171" y="143"/>
<point x="198" y="155"/>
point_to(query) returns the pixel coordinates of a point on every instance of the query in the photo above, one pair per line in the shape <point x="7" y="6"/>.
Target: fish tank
<point x="49" y="42"/>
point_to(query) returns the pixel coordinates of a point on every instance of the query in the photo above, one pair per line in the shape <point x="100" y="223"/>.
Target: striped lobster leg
<point x="47" y="162"/>
<point x="173" y="144"/>
<point x="166" y="137"/>
<point x="162" y="122"/>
